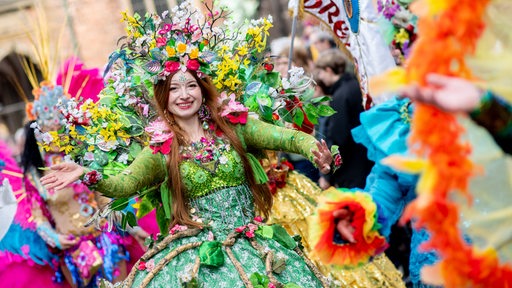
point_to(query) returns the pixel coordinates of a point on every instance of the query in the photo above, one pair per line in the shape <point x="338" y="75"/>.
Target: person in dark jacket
<point x="347" y="101"/>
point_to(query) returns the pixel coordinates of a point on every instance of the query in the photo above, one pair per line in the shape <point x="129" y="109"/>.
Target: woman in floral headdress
<point x="198" y="156"/>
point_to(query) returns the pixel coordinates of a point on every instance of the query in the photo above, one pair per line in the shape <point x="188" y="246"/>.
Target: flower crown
<point x="184" y="39"/>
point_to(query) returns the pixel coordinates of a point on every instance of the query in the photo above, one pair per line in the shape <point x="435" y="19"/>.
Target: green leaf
<point x="272" y="79"/>
<point x="320" y="99"/>
<point x="193" y="283"/>
<point x="266" y="113"/>
<point x="311" y="113"/>
<point x="298" y="117"/>
<point x="265" y="232"/>
<point x="282" y="237"/>
<point x="101" y="157"/>
<point x="163" y="222"/>
<point x="107" y="100"/>
<point x="119" y="204"/>
<point x="325" y="110"/>
<point x="285" y="115"/>
<point x="211" y="254"/>
<point x="135" y="149"/>
<point x="278" y="265"/>
<point x="307" y="95"/>
<point x="166" y="203"/>
<point x="124" y="221"/>
<point x="132" y="220"/>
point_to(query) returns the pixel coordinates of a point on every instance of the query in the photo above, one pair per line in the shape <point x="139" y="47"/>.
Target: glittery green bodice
<point x="150" y="169"/>
<point x="201" y="179"/>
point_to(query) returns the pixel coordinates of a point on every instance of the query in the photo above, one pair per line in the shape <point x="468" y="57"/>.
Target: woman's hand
<point x="322" y="157"/>
<point x="343" y="219"/>
<point x="451" y="94"/>
<point x="62" y="175"/>
<point x="67" y="241"/>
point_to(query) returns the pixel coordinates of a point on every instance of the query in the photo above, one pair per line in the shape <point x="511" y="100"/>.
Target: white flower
<point x="123" y="158"/>
<point x="223" y="159"/>
<point x="46" y="137"/>
<point x="89" y="156"/>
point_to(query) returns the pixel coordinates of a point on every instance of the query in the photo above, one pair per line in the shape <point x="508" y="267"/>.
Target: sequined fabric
<point x="202" y="179"/>
<point x="294" y="203"/>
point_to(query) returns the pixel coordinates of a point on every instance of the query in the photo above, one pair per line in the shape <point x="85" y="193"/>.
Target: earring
<point x="204" y="115"/>
<point x="169" y="121"/>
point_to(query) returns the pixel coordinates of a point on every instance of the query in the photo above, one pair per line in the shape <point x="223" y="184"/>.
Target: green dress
<point x="232" y="250"/>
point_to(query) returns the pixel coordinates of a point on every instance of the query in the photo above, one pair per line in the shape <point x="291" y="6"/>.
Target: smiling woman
<point x="197" y="172"/>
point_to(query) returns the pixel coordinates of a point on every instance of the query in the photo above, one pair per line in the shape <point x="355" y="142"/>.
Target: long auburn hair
<point x="261" y="193"/>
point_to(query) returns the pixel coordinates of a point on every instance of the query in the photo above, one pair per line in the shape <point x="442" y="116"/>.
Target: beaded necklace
<point x="206" y="152"/>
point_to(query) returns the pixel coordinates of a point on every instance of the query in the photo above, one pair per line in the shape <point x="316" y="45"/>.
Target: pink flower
<point x="159" y="131"/>
<point x="193" y="64"/>
<point x="150" y="265"/>
<point x="249" y="234"/>
<point x="177" y="228"/>
<point x="252" y="227"/>
<point x="258" y="219"/>
<point x="271" y="285"/>
<point x="161" y="41"/>
<point x="167" y="27"/>
<point x="234" y="111"/>
<point x="172" y="66"/>
<point x="210" y="236"/>
<point x="240" y="229"/>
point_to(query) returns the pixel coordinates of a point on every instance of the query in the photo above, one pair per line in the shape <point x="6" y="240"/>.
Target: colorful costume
<point x="295" y="198"/>
<point x="220" y="198"/>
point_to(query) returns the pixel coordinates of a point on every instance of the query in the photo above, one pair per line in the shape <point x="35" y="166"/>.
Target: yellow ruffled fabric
<point x="294" y="203"/>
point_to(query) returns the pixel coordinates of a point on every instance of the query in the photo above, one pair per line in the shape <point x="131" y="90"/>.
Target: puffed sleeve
<point x="260" y="135"/>
<point x="147" y="170"/>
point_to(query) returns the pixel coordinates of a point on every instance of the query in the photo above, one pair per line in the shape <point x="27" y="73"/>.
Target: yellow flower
<point x="181" y="47"/>
<point x="171" y="52"/>
<point x="267" y="26"/>
<point x="242" y="51"/>
<point x="194" y="53"/>
<point x="90" y="148"/>
<point x="106" y="134"/>
<point x="402" y="36"/>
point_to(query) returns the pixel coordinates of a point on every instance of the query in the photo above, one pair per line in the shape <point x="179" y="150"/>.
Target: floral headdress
<point x="187" y="39"/>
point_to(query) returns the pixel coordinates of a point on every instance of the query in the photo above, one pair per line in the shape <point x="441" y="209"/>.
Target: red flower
<point x="287" y="163"/>
<point x="142" y="265"/>
<point x="337" y="160"/>
<point x="268" y="66"/>
<point x="164" y="148"/>
<point x="193" y="64"/>
<point x="172" y="66"/>
<point x="258" y="219"/>
<point x="92" y="177"/>
<point x="240" y="117"/>
<point x="249" y="234"/>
